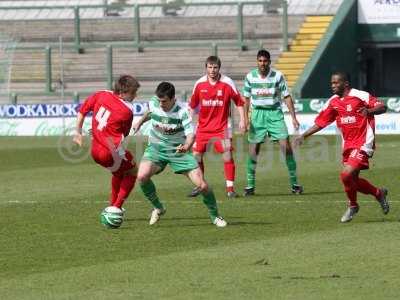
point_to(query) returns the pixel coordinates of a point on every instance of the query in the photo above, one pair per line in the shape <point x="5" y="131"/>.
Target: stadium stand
<point x="292" y="62"/>
<point x="296" y="7"/>
<point x="152" y="29"/>
<point x="7" y="46"/>
<point x="85" y="72"/>
<point x="34" y="29"/>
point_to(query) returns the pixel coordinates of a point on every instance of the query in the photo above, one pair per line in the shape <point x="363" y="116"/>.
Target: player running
<point x="111" y="124"/>
<point x="354" y="112"/>
<point x="170" y="138"/>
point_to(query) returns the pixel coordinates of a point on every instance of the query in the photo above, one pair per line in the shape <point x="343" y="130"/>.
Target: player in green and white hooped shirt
<point x="263" y="90"/>
<point x="170" y="138"/>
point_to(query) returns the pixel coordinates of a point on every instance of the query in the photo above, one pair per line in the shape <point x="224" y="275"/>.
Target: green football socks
<point x="251" y="172"/>
<point x="291" y="165"/>
<point x="149" y="191"/>
<point x="252" y="164"/>
<point x="211" y="203"/>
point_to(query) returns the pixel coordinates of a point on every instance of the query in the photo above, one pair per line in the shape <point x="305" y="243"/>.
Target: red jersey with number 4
<point x="214" y="102"/>
<point x="358" y="131"/>
<point x="112" y="117"/>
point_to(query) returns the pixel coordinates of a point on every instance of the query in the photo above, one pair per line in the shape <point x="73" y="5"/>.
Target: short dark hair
<point x="213" y="60"/>
<point x="126" y="84"/>
<point x="165" y="89"/>
<point x="345" y="76"/>
<point x="263" y="53"/>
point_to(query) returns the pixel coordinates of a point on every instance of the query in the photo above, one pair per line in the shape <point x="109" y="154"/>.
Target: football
<point x="111" y="217"/>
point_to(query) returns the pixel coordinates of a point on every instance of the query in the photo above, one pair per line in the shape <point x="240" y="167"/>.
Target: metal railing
<point x="137" y="36"/>
<point x="137" y="41"/>
<point x="109" y="76"/>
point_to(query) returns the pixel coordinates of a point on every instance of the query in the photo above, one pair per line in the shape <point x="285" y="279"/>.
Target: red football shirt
<point x="358" y="131"/>
<point x="112" y="117"/>
<point x="214" y="101"/>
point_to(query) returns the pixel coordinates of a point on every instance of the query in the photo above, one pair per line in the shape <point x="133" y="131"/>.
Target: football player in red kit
<point x="212" y="96"/>
<point x="354" y="111"/>
<point x="111" y="124"/>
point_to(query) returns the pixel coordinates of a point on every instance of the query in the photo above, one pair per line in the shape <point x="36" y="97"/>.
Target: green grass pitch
<point x="276" y="246"/>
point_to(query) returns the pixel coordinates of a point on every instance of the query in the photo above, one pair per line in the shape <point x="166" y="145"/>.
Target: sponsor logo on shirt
<point x="264" y="92"/>
<point x="348" y="120"/>
<point x="212" y="102"/>
<point x="167" y="130"/>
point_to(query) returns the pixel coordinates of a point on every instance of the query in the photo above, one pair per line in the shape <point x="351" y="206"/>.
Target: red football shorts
<point x="204" y="141"/>
<point x="356" y="158"/>
<point x="116" y="162"/>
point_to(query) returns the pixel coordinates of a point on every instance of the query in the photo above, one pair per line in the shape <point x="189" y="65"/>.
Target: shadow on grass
<point x="235" y="223"/>
<point x="168" y="222"/>
<point x="292" y="195"/>
<point x="165" y="219"/>
<point x="382" y="220"/>
<point x="230" y="224"/>
<point x="136" y="219"/>
<point x="205" y="221"/>
<point x="321" y="277"/>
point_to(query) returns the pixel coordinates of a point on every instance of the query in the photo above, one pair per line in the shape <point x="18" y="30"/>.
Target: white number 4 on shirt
<point x="102" y="117"/>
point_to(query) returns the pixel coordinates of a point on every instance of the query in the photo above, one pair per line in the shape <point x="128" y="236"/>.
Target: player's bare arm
<point x="246" y="111"/>
<point x="310" y="131"/>
<point x="243" y="120"/>
<point x="78" y="138"/>
<point x="146" y="116"/>
<point x="192" y="112"/>
<point x="290" y="106"/>
<point x="377" y="110"/>
<point x="246" y="101"/>
<point x="183" y="148"/>
<point x="193" y="115"/>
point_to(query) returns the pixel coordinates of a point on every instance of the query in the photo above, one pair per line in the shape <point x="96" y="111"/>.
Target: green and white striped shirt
<point x="265" y="92"/>
<point x="169" y="129"/>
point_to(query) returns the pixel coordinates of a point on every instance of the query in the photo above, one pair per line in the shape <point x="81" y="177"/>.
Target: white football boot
<point x="349" y="214"/>
<point x="220" y="222"/>
<point x="155" y="215"/>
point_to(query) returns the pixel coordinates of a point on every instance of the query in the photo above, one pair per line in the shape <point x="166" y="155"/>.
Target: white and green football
<point x="111" y="217"/>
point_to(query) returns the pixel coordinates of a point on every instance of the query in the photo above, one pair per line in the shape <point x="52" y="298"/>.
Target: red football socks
<point x="229" y="170"/>
<point x="350" y="188"/>
<point x="127" y="184"/>
<point x="365" y="187"/>
<point x="115" y="186"/>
